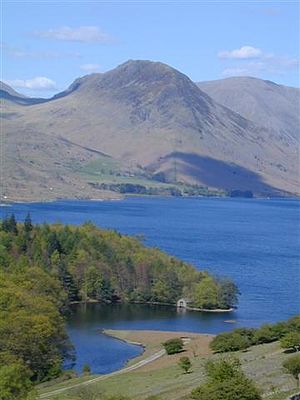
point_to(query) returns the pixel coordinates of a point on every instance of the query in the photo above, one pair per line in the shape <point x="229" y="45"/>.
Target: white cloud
<point x="16" y="52"/>
<point x="244" y="52"/>
<point x="268" y="64"/>
<point x="37" y="83"/>
<point x="81" y="34"/>
<point x="254" y="62"/>
<point x="89" y="68"/>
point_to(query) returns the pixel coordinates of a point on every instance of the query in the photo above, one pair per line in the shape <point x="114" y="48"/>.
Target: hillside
<point x="154" y="124"/>
<point x="265" y="103"/>
<point x="164" y="379"/>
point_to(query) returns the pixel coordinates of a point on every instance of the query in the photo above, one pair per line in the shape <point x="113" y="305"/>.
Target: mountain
<point x="142" y="121"/>
<point x="9" y="94"/>
<point x="265" y="103"/>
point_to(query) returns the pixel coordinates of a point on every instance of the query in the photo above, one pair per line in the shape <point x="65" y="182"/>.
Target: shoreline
<point x="10" y="202"/>
<point x="151" y="343"/>
<point x="178" y="309"/>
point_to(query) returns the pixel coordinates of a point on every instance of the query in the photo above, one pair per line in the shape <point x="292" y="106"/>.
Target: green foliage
<point x="291" y="340"/>
<point x="265" y="334"/>
<point x="240" y="339"/>
<point x="15" y="383"/>
<point x="45" y="267"/>
<point x="223" y="369"/>
<point x="206" y="293"/>
<point x="292" y="365"/>
<point x="227" y="294"/>
<point x="86" y="369"/>
<point x="103" y="265"/>
<point x="31" y="327"/>
<point x="173" y="346"/>
<point x="226" y="381"/>
<point x="185" y="364"/>
<point x="229" y="341"/>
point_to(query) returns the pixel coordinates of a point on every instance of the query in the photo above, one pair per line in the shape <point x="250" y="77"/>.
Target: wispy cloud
<point x="37" y="83"/>
<point x="254" y="61"/>
<point x="15" y="52"/>
<point x="244" y="52"/>
<point x="84" y="34"/>
<point x="89" y="68"/>
<point x="271" y="64"/>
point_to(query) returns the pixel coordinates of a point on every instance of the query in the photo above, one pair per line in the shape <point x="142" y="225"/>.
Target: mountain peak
<point x="4" y="87"/>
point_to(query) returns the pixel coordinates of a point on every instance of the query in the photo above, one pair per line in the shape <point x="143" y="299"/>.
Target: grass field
<point x="164" y="378"/>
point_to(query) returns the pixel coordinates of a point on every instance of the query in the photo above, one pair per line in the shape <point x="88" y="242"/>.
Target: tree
<point x="229" y="341"/>
<point x="292" y="365"/>
<point x="223" y="369"/>
<point x="9" y="224"/>
<point x="86" y="369"/>
<point x="291" y="341"/>
<point x="15" y="382"/>
<point x="227" y="294"/>
<point x="185" y="364"/>
<point x="28" y="224"/>
<point x="206" y="293"/>
<point x="173" y="346"/>
<point x="226" y="381"/>
<point x="233" y="389"/>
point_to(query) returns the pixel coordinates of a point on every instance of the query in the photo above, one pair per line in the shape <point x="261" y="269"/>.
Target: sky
<point x="46" y="44"/>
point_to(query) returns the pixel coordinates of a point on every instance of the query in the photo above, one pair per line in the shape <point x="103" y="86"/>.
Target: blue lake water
<point x="255" y="242"/>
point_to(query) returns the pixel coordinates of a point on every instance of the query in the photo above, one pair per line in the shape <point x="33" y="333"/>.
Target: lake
<point x="255" y="242"/>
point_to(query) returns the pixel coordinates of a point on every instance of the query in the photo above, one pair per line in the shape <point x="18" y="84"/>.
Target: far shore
<point x="11" y="201"/>
<point x="154" y="303"/>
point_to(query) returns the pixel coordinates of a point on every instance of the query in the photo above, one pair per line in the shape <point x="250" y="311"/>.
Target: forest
<point x="46" y="267"/>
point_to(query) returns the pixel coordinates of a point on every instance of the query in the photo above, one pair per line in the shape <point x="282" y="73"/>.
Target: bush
<point x="233" y="389"/>
<point x="265" y="334"/>
<point x="229" y="341"/>
<point x="185" y="364"/>
<point x="86" y="369"/>
<point x="292" y="365"/>
<point x="173" y="346"/>
<point x="226" y="381"/>
<point x="291" y="341"/>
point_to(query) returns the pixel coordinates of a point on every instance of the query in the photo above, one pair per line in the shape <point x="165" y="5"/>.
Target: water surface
<point x="255" y="242"/>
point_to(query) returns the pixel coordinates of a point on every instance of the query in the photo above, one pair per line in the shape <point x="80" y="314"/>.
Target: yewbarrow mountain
<point x="147" y="124"/>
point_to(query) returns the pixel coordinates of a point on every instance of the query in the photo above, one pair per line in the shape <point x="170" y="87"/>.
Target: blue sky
<point x="45" y="45"/>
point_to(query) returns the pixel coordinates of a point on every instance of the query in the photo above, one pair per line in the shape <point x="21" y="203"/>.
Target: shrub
<point x="292" y="365"/>
<point x="229" y="341"/>
<point x="185" y="364"/>
<point x="86" y="369"/>
<point x="291" y="341"/>
<point x="265" y="334"/>
<point x="226" y="381"/>
<point x="173" y="346"/>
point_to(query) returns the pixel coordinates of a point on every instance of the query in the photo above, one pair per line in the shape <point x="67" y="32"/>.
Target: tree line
<point x="287" y="332"/>
<point x="46" y="267"/>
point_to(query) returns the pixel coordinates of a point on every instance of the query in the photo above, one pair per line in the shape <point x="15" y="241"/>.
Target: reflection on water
<point x="105" y="354"/>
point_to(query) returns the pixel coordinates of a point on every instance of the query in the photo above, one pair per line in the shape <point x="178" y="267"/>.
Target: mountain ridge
<point x="150" y="116"/>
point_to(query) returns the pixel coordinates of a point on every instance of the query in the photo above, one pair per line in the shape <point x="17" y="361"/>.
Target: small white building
<point x="182" y="303"/>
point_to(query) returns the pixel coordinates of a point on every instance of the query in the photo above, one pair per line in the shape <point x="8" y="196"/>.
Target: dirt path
<point x="139" y="364"/>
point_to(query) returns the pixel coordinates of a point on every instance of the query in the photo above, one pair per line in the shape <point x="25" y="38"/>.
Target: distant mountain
<point x="149" y="117"/>
<point x="9" y="94"/>
<point x="265" y="103"/>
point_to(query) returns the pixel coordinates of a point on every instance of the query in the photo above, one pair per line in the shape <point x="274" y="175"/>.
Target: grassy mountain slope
<point x="149" y="116"/>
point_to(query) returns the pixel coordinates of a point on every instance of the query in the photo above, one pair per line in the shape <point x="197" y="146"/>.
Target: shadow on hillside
<point x="217" y="174"/>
